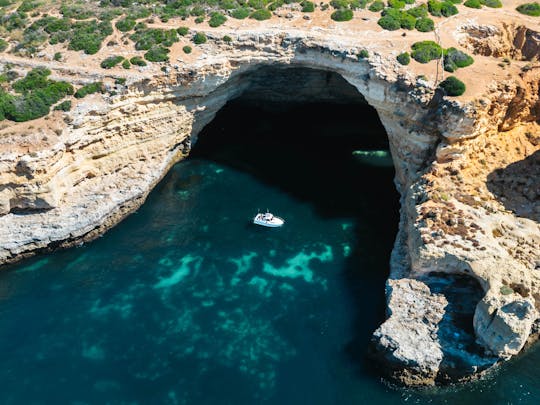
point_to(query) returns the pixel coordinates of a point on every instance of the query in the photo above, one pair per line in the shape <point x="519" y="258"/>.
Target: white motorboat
<point x="268" y="219"/>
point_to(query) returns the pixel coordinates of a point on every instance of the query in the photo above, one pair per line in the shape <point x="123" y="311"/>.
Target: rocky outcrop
<point x="463" y="291"/>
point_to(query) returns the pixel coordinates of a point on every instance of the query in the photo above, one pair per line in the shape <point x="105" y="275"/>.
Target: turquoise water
<point x="186" y="302"/>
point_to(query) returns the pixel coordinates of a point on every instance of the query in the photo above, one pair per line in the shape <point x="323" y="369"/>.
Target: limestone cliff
<point x="467" y="251"/>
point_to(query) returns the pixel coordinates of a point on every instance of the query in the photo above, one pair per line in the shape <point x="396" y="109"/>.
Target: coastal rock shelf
<point x="464" y="286"/>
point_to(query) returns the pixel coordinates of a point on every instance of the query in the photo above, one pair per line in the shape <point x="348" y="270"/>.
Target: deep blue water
<point x="186" y="302"/>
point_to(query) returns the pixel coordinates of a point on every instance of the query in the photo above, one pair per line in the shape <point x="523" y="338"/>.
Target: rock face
<point x="464" y="286"/>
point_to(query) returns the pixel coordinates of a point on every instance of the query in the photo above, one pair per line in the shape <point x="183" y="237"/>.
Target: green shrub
<point x="337" y="4"/>
<point x="448" y="9"/>
<point x="532" y="9"/>
<point x="57" y="56"/>
<point x="227" y="4"/>
<point x="53" y="24"/>
<point x="216" y="19"/>
<point x="187" y="49"/>
<point x="182" y="31"/>
<point x="25" y="108"/>
<point x="426" y="51"/>
<point x="138" y="61"/>
<point x="111" y="62"/>
<point x="308" y="6"/>
<point x="473" y="4"/>
<point x="492" y="3"/>
<point x="240" y="13"/>
<point x="63" y="106"/>
<point x="342" y="14"/>
<point x="376" y="6"/>
<point x="120" y="80"/>
<point x="418" y="11"/>
<point x="389" y="23"/>
<point x="199" y="38"/>
<point x="257" y="4"/>
<point x="87" y="36"/>
<point x="27" y="5"/>
<point x="397" y="4"/>
<point x="363" y="54"/>
<point x="126" y="64"/>
<point x="37" y="78"/>
<point x="147" y="38"/>
<point x="125" y="24"/>
<point x="227" y="39"/>
<point x="157" y="53"/>
<point x="407" y="21"/>
<point x="438" y="9"/>
<point x="404" y="58"/>
<point x="275" y="5"/>
<point x="76" y="11"/>
<point x="453" y="86"/>
<point x="90" y="88"/>
<point x="454" y="59"/>
<point x="37" y="95"/>
<point x="434" y="8"/>
<point x="358" y="4"/>
<point x="261" y="14"/>
<point x="425" y="24"/>
<point x="3" y="45"/>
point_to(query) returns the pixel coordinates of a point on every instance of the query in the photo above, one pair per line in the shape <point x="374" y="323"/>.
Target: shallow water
<point x="187" y="302"/>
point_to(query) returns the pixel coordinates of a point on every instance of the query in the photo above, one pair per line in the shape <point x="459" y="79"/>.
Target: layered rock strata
<point x="464" y="287"/>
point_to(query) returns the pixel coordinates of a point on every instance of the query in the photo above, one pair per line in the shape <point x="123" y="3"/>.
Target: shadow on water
<point x="306" y="151"/>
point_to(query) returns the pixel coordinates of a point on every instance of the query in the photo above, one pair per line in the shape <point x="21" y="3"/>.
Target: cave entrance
<point x="295" y="130"/>
<point x="298" y="129"/>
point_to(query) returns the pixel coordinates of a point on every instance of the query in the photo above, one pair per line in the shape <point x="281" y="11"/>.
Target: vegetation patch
<point x="308" y="6"/>
<point x="147" y="38"/>
<point x="453" y="86"/>
<point x="363" y="54"/>
<point x="376" y="6"/>
<point x="91" y="88"/>
<point x="182" y="31"/>
<point x="532" y="9"/>
<point x="418" y="11"/>
<point x="404" y="58"/>
<point x="454" y="59"/>
<point x="87" y="36"/>
<point x="342" y="14"/>
<point x="240" y="13"/>
<point x="187" y="49"/>
<point x="440" y="9"/>
<point x="473" y="4"/>
<point x="425" y="24"/>
<point x="125" y="24"/>
<point x="138" y="61"/>
<point x="199" y="38"/>
<point x="3" y="45"/>
<point x="261" y="14"/>
<point x="111" y="62"/>
<point x="216" y="19"/>
<point x="492" y="3"/>
<point x="389" y="23"/>
<point x="157" y="53"/>
<point x="33" y="96"/>
<point x="63" y="106"/>
<point x="426" y="51"/>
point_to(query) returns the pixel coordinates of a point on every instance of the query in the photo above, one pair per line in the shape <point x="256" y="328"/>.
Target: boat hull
<point x="275" y="222"/>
